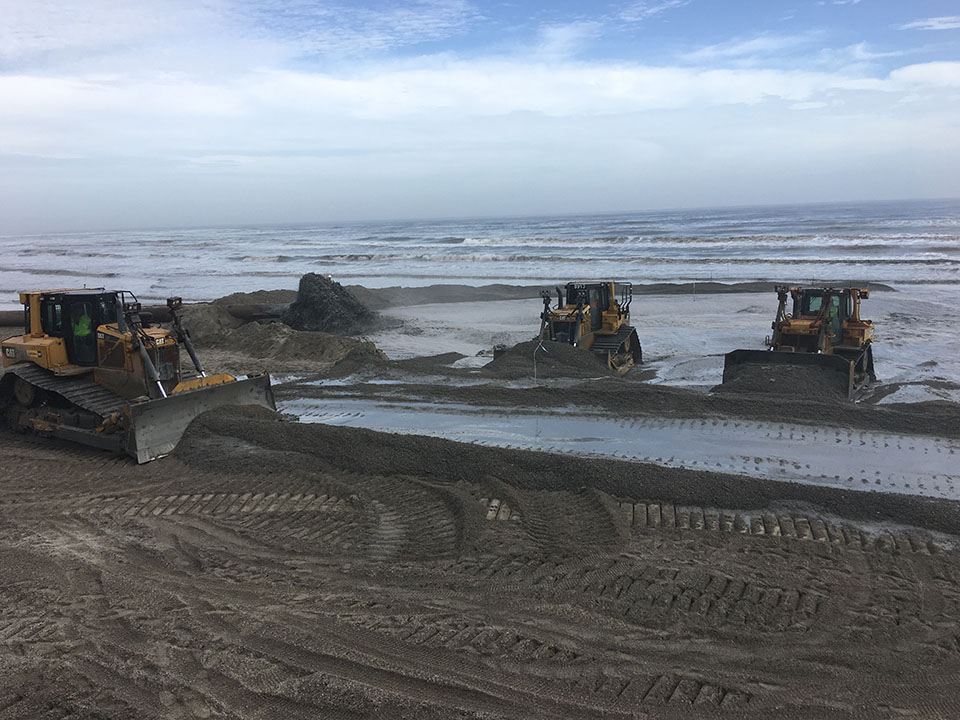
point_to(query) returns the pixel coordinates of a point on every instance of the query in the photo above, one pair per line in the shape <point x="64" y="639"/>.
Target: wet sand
<point x="270" y="568"/>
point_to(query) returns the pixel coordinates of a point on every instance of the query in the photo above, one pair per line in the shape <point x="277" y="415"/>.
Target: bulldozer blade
<point x="732" y="361"/>
<point x="158" y="425"/>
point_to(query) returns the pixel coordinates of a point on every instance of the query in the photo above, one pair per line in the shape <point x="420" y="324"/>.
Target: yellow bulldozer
<point x="93" y="367"/>
<point x="590" y="316"/>
<point x="823" y="329"/>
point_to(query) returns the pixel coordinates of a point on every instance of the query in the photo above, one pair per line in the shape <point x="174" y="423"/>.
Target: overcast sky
<point x="157" y="113"/>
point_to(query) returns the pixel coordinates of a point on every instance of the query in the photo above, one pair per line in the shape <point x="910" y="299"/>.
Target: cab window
<point x="108" y="312"/>
<point x="811" y="304"/>
<point x="52" y="319"/>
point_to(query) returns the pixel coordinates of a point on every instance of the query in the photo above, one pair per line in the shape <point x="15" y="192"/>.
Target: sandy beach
<point x="443" y="536"/>
<point x="303" y="260"/>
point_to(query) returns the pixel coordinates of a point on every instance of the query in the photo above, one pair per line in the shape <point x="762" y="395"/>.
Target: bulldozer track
<point x="544" y="517"/>
<point x="414" y="524"/>
<point x="200" y="504"/>
<point x="638" y="592"/>
<point x="654" y="690"/>
<point x="413" y="521"/>
<point x="484" y="639"/>
<point x="667" y="516"/>
<point x="479" y="638"/>
<point x="29" y="448"/>
<point x="81" y="391"/>
<point x="30" y="629"/>
<point x="645" y="590"/>
<point x="422" y="649"/>
<point x="613" y="690"/>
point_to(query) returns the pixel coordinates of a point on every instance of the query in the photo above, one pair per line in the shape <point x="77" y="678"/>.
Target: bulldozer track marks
<point x="414" y="523"/>
<point x="546" y="518"/>
<point x="31" y="453"/>
<point x="480" y="638"/>
<point x="666" y="516"/>
<point x="638" y="592"/>
<point x="199" y="504"/>
<point x="614" y="690"/>
<point x="653" y="690"/>
<point x="30" y="629"/>
<point x="322" y="593"/>
<point x="644" y="590"/>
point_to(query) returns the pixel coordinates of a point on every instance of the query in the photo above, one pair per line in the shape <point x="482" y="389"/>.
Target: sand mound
<point x="281" y="342"/>
<point x="258" y="297"/>
<point x="553" y="360"/>
<point x="803" y="382"/>
<point x="325" y="305"/>
<point x="209" y="322"/>
<point x="234" y="337"/>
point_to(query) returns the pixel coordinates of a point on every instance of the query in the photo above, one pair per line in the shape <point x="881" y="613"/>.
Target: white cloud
<point x="561" y="41"/>
<point x="225" y="91"/>
<point x="859" y="55"/>
<point x="639" y="11"/>
<point x="927" y="75"/>
<point x="861" y="51"/>
<point x="951" y="22"/>
<point x="482" y="88"/>
<point x="161" y="96"/>
<point x="762" y="45"/>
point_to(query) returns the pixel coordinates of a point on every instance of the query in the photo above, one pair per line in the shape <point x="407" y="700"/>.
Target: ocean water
<point x="900" y="243"/>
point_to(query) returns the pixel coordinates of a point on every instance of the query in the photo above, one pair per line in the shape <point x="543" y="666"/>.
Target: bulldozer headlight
<point x="9" y="352"/>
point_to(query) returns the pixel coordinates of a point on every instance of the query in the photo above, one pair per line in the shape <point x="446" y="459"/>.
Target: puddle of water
<point x="471" y="362"/>
<point x="852" y="460"/>
<point x="276" y="379"/>
<point x="437" y="379"/>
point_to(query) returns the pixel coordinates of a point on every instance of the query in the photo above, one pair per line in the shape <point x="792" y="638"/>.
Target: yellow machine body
<point x="94" y="368"/>
<point x="592" y="316"/>
<point x="823" y="328"/>
<point x="823" y="320"/>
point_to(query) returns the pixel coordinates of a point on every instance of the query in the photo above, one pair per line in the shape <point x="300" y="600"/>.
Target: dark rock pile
<point x="325" y="305"/>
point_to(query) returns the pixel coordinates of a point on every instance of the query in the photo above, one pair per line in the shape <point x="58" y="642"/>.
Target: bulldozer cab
<point x="595" y="296"/>
<point x="74" y="316"/>
<point x="835" y="306"/>
<point x="809" y="302"/>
